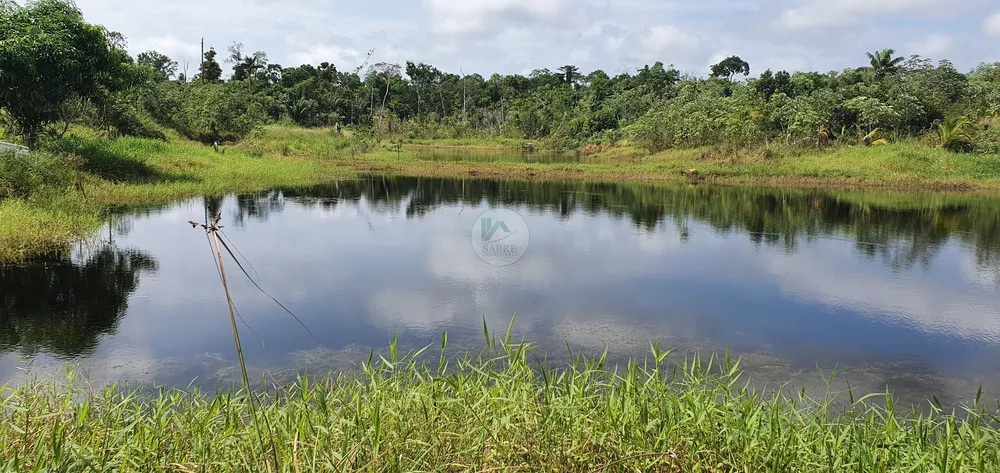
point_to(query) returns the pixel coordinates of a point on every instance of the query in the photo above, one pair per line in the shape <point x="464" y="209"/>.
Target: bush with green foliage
<point x="23" y="175"/>
<point x="210" y="112"/>
<point x="988" y="140"/>
<point x="123" y="115"/>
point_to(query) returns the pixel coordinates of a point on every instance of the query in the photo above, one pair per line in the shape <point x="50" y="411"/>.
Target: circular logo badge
<point x="500" y="237"/>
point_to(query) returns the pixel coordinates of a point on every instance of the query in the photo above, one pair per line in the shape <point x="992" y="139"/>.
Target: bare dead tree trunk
<point x="465" y="112"/>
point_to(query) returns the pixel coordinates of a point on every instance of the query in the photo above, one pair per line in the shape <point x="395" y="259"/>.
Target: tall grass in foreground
<point x="495" y="411"/>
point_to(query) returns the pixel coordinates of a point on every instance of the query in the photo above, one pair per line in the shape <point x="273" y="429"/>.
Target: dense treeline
<point x="656" y="108"/>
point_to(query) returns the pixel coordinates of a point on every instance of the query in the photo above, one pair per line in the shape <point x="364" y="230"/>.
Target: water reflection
<point x="64" y="306"/>
<point x="902" y="288"/>
<point x="903" y="231"/>
<point x="490" y="155"/>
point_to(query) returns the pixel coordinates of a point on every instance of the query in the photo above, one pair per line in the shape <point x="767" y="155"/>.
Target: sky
<point x="518" y="36"/>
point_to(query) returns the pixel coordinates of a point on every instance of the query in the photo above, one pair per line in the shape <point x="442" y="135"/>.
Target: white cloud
<point x="665" y="39"/>
<point x="705" y="6"/>
<point x="813" y="16"/>
<point x="169" y="45"/>
<point x="919" y="304"/>
<point x="789" y="63"/>
<point x="992" y="24"/>
<point x="665" y="43"/>
<point x="934" y="45"/>
<point x="490" y="16"/>
<point x="328" y="53"/>
<point x="843" y="13"/>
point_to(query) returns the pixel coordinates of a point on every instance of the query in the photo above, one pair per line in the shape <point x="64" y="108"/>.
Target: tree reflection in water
<point x="64" y="306"/>
<point x="901" y="230"/>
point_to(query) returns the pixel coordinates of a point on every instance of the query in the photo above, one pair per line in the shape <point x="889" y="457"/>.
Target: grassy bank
<point x="497" y="411"/>
<point x="902" y="165"/>
<point x="898" y="166"/>
<point x="134" y="172"/>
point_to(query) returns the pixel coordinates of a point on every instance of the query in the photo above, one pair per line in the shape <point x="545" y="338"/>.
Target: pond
<point x="897" y="290"/>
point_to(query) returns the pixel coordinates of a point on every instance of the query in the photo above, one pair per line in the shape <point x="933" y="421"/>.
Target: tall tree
<point x="165" y="67"/>
<point x="423" y="76"/>
<point x="210" y="69"/>
<point x="245" y="67"/>
<point x="48" y="55"/>
<point x="769" y="83"/>
<point x="657" y="77"/>
<point x="387" y="71"/>
<point x="731" y="66"/>
<point x="883" y="62"/>
<point x="570" y="73"/>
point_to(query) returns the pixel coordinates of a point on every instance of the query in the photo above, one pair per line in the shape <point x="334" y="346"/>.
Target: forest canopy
<point x="656" y="107"/>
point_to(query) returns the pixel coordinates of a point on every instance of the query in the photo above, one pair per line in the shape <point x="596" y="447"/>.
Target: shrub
<point x="209" y="112"/>
<point x="651" y="132"/>
<point x="122" y="118"/>
<point x="987" y="140"/>
<point x="955" y="134"/>
<point x="22" y="175"/>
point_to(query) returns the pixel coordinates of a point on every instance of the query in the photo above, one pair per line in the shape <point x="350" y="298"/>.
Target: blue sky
<point x="516" y="36"/>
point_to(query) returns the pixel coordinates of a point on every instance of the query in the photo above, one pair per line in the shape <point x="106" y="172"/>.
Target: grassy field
<point x="134" y="172"/>
<point x="497" y="411"/>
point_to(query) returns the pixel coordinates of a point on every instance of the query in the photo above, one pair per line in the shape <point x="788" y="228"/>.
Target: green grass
<point x="495" y="411"/>
<point x="42" y="224"/>
<point x="135" y="171"/>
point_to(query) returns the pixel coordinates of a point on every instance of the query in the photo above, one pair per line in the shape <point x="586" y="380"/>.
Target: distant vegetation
<point x="47" y="85"/>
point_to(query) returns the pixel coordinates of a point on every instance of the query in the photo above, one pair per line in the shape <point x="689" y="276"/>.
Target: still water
<point x="895" y="290"/>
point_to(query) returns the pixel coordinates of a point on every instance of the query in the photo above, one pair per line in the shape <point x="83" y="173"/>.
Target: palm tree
<point x="955" y="135"/>
<point x="871" y="138"/>
<point x="883" y="63"/>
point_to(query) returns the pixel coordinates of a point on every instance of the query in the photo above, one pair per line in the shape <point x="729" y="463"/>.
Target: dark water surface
<point x="898" y="290"/>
